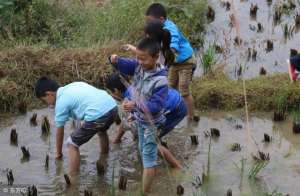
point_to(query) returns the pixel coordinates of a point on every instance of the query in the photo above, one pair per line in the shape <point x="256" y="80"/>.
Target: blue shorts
<point x="173" y="118"/>
<point x="147" y="145"/>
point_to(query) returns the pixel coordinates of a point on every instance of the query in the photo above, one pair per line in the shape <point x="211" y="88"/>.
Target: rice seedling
<point x="296" y="121"/>
<point x="277" y="14"/>
<point x="33" y="121"/>
<point x="208" y="59"/>
<point x="269" y="2"/>
<point x="10" y="178"/>
<point x="45" y="126"/>
<point x="88" y="193"/>
<point x="256" y="168"/>
<point x="122" y="182"/>
<point x="180" y="189"/>
<point x="253" y="10"/>
<point x="280" y="104"/>
<point x="262" y="71"/>
<point x="26" y="154"/>
<point x="194" y="139"/>
<point x="260" y="27"/>
<point x="235" y="147"/>
<point x="112" y="191"/>
<point x="210" y="15"/>
<point x="270" y="46"/>
<point x="267" y="138"/>
<point x="32" y="191"/>
<point x="67" y="179"/>
<point x="229" y="192"/>
<point x="14" y="137"/>
<point x="47" y="161"/>
<point x="288" y="31"/>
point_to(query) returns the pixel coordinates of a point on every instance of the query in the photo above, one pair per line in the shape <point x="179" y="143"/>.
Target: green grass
<point x="208" y="59"/>
<point x="70" y="24"/>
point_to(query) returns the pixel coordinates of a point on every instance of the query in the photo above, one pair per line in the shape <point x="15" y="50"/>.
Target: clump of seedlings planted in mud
<point x="198" y="182"/>
<point x="100" y="167"/>
<point x="251" y="54"/>
<point x="33" y="118"/>
<point x="262" y="71"/>
<point x="288" y="6"/>
<point x="297" y="20"/>
<point x="280" y="110"/>
<point x="226" y="4"/>
<point x="269" y="2"/>
<point x="214" y="133"/>
<point x="261" y="156"/>
<point x="235" y="147"/>
<point x="277" y="14"/>
<point x="218" y="49"/>
<point x="88" y="193"/>
<point x="45" y="125"/>
<point x="296" y="121"/>
<point x="122" y="182"/>
<point x="267" y="138"/>
<point x="47" y="161"/>
<point x="293" y="52"/>
<point x="67" y="179"/>
<point x="10" y="178"/>
<point x="210" y="14"/>
<point x="22" y="107"/>
<point x="180" y="189"/>
<point x="260" y="28"/>
<point x="288" y="31"/>
<point x="26" y="154"/>
<point x="238" y="41"/>
<point x="194" y="139"/>
<point x="32" y="191"/>
<point x="238" y="70"/>
<point x="14" y="137"/>
<point x="253" y="10"/>
<point x="270" y="45"/>
<point x="229" y="192"/>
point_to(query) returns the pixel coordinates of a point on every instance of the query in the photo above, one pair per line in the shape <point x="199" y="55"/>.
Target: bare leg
<point x="74" y="160"/>
<point x="168" y="156"/>
<point x="148" y="176"/>
<point x="119" y="135"/>
<point x="104" y="142"/>
<point x="189" y="101"/>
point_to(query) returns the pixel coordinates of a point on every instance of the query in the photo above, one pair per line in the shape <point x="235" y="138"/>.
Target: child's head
<point x="45" y="89"/>
<point x="154" y="29"/>
<point x="114" y="84"/>
<point x="147" y="53"/>
<point x="156" y="11"/>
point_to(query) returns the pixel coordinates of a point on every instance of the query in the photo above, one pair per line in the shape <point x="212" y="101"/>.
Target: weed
<point x="208" y="59"/>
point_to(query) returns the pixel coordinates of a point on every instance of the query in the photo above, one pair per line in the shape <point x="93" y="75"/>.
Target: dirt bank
<point x="264" y="93"/>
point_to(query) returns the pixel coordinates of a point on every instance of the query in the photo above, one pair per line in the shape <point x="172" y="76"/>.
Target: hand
<point x="129" y="47"/>
<point x="59" y="156"/>
<point x="114" y="58"/>
<point x="128" y="105"/>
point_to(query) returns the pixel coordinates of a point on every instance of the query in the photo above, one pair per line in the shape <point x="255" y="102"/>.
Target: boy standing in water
<point x="80" y="101"/>
<point x="181" y="72"/>
<point x="150" y="90"/>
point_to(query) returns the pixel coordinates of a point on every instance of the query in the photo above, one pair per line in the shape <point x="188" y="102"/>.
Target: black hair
<point x="150" y="45"/>
<point x="114" y="81"/>
<point x="156" y="10"/>
<point x="154" y="29"/>
<point x="43" y="85"/>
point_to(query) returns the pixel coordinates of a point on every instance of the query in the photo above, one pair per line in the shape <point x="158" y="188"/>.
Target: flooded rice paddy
<point x="280" y="175"/>
<point x="265" y="42"/>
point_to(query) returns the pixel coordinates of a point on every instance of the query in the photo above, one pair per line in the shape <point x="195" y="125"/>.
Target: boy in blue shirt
<point x="150" y="90"/>
<point x="181" y="72"/>
<point x="174" y="107"/>
<point x="80" y="101"/>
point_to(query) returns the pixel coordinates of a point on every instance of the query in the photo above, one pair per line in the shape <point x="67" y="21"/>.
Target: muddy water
<point x="281" y="174"/>
<point x="221" y="33"/>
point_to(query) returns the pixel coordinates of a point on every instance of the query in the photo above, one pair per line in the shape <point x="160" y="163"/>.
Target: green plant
<point x="257" y="167"/>
<point x="296" y="116"/>
<point x="208" y="59"/>
<point x="281" y="101"/>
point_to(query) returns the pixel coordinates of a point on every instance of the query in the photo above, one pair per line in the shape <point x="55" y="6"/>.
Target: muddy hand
<point x="113" y="59"/>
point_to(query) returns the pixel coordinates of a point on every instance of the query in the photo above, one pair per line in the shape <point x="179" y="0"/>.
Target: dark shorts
<point x="89" y="129"/>
<point x="173" y="118"/>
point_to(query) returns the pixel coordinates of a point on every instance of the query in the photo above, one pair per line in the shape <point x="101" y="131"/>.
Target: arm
<point x="126" y="66"/>
<point x="59" y="141"/>
<point x="174" y="45"/>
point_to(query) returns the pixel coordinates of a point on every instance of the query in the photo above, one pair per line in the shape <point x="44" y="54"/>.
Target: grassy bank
<point x="69" y="41"/>
<point x="264" y="93"/>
